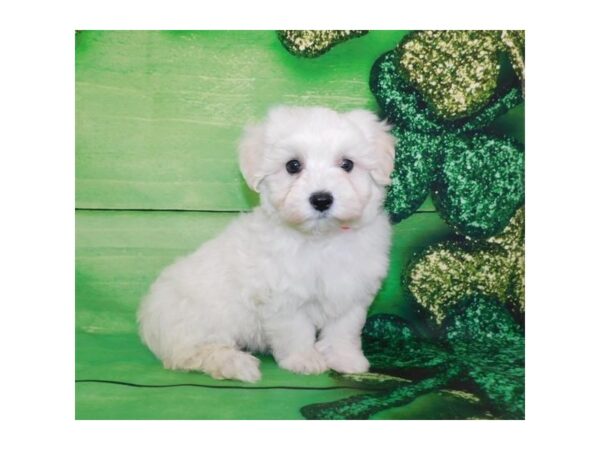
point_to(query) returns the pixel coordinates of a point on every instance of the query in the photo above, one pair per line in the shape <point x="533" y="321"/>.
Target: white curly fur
<point x="285" y="277"/>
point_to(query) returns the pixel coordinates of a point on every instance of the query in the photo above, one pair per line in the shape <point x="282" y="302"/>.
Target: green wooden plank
<point x="158" y="113"/>
<point x="119" y="254"/>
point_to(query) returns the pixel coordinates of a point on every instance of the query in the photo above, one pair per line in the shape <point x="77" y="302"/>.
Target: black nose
<point x="321" y="201"/>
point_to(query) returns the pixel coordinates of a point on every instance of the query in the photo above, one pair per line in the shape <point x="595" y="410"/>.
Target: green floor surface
<point x="119" y="253"/>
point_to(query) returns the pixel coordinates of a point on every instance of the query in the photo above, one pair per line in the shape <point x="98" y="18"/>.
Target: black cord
<point x="298" y="388"/>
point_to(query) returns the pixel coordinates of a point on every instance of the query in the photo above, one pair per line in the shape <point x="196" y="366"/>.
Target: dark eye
<point x="347" y="165"/>
<point x="293" y="166"/>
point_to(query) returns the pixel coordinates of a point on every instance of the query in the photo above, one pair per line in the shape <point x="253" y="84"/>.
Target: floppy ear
<point x="251" y="151"/>
<point x="382" y="143"/>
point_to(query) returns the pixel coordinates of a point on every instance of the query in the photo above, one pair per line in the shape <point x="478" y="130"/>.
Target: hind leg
<point x="220" y="362"/>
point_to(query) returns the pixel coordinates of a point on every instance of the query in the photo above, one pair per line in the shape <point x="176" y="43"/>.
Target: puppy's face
<point x="317" y="169"/>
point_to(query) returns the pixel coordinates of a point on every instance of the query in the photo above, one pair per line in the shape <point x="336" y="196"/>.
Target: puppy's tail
<point x="220" y="362"/>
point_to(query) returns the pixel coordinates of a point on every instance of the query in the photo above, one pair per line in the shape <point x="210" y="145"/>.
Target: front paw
<point x="306" y="362"/>
<point x="343" y="360"/>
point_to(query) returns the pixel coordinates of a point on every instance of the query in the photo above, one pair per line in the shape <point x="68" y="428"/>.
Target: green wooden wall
<point x="158" y="117"/>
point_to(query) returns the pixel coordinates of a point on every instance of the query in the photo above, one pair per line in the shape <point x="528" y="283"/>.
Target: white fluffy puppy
<point x="296" y="275"/>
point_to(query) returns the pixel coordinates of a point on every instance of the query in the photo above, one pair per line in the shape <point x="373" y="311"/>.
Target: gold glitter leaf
<point x="312" y="43"/>
<point x="451" y="271"/>
<point x="455" y="71"/>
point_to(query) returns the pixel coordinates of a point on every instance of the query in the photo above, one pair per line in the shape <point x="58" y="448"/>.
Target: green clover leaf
<point x="457" y="71"/>
<point x="479" y="346"/>
<point x="476" y="179"/>
<point x="446" y="272"/>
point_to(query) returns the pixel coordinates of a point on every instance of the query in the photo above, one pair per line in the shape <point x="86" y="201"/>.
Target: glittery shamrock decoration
<point x="476" y="179"/>
<point x="448" y="271"/>
<point x="457" y="72"/>
<point x="480" y="349"/>
<point x="312" y="43"/>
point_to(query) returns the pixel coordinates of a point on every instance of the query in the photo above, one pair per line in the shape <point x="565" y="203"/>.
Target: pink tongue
<point x="345" y="227"/>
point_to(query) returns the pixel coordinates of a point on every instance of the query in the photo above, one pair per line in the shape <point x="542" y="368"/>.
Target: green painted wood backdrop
<point x="158" y="117"/>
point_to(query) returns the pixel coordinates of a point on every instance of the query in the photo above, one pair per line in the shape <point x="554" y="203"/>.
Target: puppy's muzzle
<point x="321" y="200"/>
